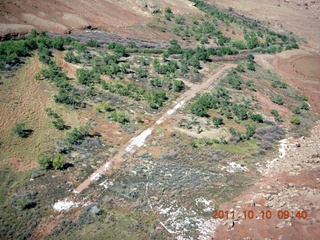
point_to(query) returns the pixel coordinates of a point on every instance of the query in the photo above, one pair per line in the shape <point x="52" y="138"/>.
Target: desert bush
<point x="69" y="98"/>
<point x="71" y="57"/>
<point x="51" y="113"/>
<point x="20" y="130"/>
<point x="58" y="124"/>
<point x="178" y="85"/>
<point x="119" y="117"/>
<point x="296" y="110"/>
<point x="256" y="117"/>
<point x="234" y="81"/>
<point x="78" y="135"/>
<point x="304" y="106"/>
<point x="93" y="43"/>
<point x="277" y="99"/>
<point x="217" y="121"/>
<point x="240" y="68"/>
<point x="251" y="66"/>
<point x="168" y="14"/>
<point x="45" y="162"/>
<point x="295" y="120"/>
<point x="86" y="76"/>
<point x="275" y="113"/>
<point x="58" y="161"/>
<point x="250" y="130"/>
<point x="266" y="145"/>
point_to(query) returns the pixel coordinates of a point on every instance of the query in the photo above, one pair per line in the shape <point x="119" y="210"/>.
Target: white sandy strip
<point x="170" y="112"/>
<point x="139" y="140"/>
<point x="282" y="148"/>
<point x="176" y="107"/>
<point x="282" y="153"/>
<point x="106" y="184"/>
<point x="64" y="205"/>
<point x="233" y="167"/>
<point x="97" y="175"/>
<point x="161" y="120"/>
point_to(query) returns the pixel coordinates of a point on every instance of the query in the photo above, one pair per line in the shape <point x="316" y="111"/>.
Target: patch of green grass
<point x="239" y="149"/>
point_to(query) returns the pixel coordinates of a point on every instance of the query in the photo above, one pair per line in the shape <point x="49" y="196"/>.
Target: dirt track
<point x="299" y="69"/>
<point x="131" y="146"/>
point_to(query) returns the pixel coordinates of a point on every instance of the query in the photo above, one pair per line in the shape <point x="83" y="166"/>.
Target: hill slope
<point x="62" y="16"/>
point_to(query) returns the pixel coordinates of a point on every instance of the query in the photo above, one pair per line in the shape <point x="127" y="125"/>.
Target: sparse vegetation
<point x="20" y="130"/>
<point x="295" y="120"/>
<point x="126" y="87"/>
<point x="277" y="99"/>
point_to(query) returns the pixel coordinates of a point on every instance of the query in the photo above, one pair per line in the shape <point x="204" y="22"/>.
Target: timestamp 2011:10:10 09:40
<point x="268" y="214"/>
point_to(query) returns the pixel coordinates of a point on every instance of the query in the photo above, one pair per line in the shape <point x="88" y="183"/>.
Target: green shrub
<point x="250" y="130"/>
<point x="168" y="13"/>
<point x="296" y="110"/>
<point x="93" y="43"/>
<point x="51" y="113"/>
<point x="86" y="76"/>
<point x="45" y="162"/>
<point x="277" y="99"/>
<point x="20" y="130"/>
<point x="217" y="121"/>
<point x="59" y="124"/>
<point x="305" y="106"/>
<point x="71" y="58"/>
<point x="119" y="117"/>
<point x="276" y="115"/>
<point x="234" y="81"/>
<point x="240" y="68"/>
<point x="77" y="136"/>
<point x="58" y="162"/>
<point x="251" y="66"/>
<point x="283" y="85"/>
<point x="295" y="120"/>
<point x="178" y="85"/>
<point x="256" y="117"/>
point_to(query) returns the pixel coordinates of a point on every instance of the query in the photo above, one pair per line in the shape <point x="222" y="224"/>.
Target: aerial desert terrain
<point x="160" y="119"/>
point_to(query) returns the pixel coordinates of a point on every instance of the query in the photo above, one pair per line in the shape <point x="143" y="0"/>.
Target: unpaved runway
<point x="138" y="141"/>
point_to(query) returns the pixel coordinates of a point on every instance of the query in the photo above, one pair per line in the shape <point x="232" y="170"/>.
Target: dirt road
<point x="138" y="141"/>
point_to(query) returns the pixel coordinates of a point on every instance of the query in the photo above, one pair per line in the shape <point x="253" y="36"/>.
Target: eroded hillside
<point x="128" y="17"/>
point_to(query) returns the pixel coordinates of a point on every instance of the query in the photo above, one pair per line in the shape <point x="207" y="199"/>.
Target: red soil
<point x="128" y="17"/>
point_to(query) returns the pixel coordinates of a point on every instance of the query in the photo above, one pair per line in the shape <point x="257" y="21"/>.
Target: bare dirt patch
<point x="290" y="183"/>
<point x="298" y="68"/>
<point x="300" y="17"/>
<point x="126" y="17"/>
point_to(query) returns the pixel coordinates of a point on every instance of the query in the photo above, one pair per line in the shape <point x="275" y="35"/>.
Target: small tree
<point x="45" y="162"/>
<point x="168" y="13"/>
<point x="240" y="68"/>
<point x="58" y="162"/>
<point x="51" y="113"/>
<point x="277" y="99"/>
<point x="256" y="117"/>
<point x="296" y="110"/>
<point x="251" y="66"/>
<point x="20" y="130"/>
<point x="251" y="129"/>
<point x="217" y="121"/>
<point x="295" y="120"/>
<point x="305" y="106"/>
<point x="59" y="124"/>
<point x="276" y="115"/>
